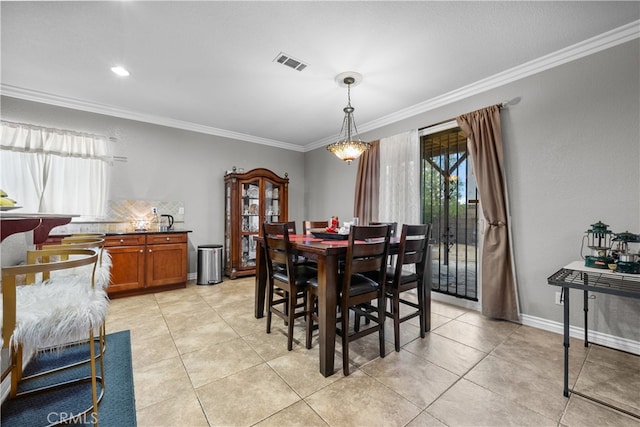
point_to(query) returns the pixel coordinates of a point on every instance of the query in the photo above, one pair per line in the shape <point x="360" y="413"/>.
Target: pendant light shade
<point x="349" y="146"/>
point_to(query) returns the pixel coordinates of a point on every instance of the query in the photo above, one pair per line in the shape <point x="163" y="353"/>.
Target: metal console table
<point x="577" y="276"/>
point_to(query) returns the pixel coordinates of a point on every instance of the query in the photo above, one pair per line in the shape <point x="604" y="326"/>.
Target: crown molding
<point x="571" y="53"/>
<point x="579" y="50"/>
<point x="77" y="104"/>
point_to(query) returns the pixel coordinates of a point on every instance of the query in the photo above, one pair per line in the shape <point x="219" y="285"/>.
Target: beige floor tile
<point x="178" y="322"/>
<point x="183" y="410"/>
<point x="245" y="398"/>
<point x="513" y="373"/>
<point x="615" y="385"/>
<point x="141" y="327"/>
<point x="156" y="382"/>
<point x="479" y="338"/>
<point x="468" y="404"/>
<point x="219" y="360"/>
<point x="297" y="415"/>
<point x="542" y="352"/>
<point x="151" y="349"/>
<point x="203" y="335"/>
<point x="244" y="322"/>
<point x="582" y="412"/>
<point x="299" y="369"/>
<point x="425" y="419"/>
<point x="446" y="353"/>
<point x="524" y="386"/>
<point x="194" y="305"/>
<point x="415" y="379"/>
<point x="447" y="310"/>
<point x="502" y="327"/>
<point x="133" y="303"/>
<point x="609" y="357"/>
<point x="437" y="320"/>
<point x="268" y="346"/>
<point x="359" y="400"/>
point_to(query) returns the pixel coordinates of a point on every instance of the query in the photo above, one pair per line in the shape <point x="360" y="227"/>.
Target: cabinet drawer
<point x="124" y="240"/>
<point x="158" y="239"/>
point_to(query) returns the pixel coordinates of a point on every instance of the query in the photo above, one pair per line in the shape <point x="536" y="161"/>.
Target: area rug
<point x="117" y="407"/>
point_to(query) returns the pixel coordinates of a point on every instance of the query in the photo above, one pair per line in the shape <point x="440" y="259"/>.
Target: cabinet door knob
<point x="121" y="240"/>
<point x="150" y="251"/>
<point x="141" y="251"/>
<point x="168" y="238"/>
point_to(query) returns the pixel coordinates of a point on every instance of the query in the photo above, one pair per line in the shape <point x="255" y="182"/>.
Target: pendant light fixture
<point x="349" y="146"/>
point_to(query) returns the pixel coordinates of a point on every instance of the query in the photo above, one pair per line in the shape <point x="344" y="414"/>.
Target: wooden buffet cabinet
<point x="144" y="263"/>
<point x="251" y="198"/>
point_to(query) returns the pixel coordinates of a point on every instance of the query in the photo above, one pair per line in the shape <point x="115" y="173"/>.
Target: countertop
<point x="116" y="233"/>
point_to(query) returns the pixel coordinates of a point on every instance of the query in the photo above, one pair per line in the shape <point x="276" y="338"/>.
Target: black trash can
<point x="209" y="264"/>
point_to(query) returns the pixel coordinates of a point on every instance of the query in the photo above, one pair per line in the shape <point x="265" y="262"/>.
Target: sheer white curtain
<point x="400" y="179"/>
<point x="55" y="171"/>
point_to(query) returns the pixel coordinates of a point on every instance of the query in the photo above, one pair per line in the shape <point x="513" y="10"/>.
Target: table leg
<point x="261" y="282"/>
<point x="565" y="290"/>
<point x="327" y="300"/>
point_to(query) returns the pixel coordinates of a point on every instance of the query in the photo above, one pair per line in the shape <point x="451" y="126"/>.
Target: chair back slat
<point x="367" y="251"/>
<point x="412" y="248"/>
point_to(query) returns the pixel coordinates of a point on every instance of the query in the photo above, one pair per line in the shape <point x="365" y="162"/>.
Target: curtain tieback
<point x="497" y="224"/>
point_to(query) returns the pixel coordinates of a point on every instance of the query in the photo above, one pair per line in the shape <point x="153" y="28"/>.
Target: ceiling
<point x="209" y="66"/>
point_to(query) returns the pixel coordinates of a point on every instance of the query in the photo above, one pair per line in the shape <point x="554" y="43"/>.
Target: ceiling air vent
<point x="290" y="62"/>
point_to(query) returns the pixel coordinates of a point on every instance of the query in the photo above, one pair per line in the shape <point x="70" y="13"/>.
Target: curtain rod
<point x="30" y="125"/>
<point x="501" y="105"/>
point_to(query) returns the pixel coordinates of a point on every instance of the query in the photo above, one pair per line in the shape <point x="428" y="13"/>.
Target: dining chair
<point x="394" y="226"/>
<point x="367" y="251"/>
<point x="53" y="314"/>
<point x="307" y="226"/>
<point x="408" y="274"/>
<point x="287" y="281"/>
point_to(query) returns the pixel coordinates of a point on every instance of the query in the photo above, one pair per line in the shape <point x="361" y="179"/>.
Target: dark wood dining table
<point x="327" y="253"/>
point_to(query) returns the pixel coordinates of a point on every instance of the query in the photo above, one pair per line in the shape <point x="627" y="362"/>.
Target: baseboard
<point x="596" y="337"/>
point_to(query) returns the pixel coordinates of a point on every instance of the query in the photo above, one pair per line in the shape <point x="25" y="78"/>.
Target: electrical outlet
<point x="559" y="300"/>
<point x="154" y="211"/>
<point x="181" y="210"/>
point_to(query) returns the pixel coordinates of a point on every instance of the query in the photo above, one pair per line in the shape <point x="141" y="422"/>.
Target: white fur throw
<point x="103" y="271"/>
<point x="59" y="311"/>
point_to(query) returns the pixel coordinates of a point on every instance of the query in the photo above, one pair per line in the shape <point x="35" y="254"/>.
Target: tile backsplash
<point x="122" y="216"/>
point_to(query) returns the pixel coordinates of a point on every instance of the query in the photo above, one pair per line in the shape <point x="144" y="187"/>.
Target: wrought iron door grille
<point x="450" y="204"/>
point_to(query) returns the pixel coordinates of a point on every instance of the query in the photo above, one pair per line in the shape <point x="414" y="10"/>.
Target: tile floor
<point x="200" y="358"/>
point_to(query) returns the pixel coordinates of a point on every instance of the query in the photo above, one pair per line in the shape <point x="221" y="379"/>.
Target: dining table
<point x="327" y="254"/>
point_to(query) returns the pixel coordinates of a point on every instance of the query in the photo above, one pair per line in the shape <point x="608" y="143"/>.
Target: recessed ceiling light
<point x="120" y="71"/>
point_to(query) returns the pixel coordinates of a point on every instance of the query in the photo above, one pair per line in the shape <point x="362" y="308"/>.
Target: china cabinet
<point x="251" y="198"/>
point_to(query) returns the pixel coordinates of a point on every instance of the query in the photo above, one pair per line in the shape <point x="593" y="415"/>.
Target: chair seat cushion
<point x="406" y="277"/>
<point x="361" y="285"/>
<point x="303" y="274"/>
<point x="58" y="311"/>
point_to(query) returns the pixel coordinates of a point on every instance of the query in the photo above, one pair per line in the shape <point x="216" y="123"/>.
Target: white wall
<point x="172" y="164"/>
<point x="572" y="157"/>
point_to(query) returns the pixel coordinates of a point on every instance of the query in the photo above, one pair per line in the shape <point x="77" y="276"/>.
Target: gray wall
<point x="172" y="164"/>
<point x="572" y="157"/>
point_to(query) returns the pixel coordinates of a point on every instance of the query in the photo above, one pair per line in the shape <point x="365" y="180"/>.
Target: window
<point x="55" y="171"/>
